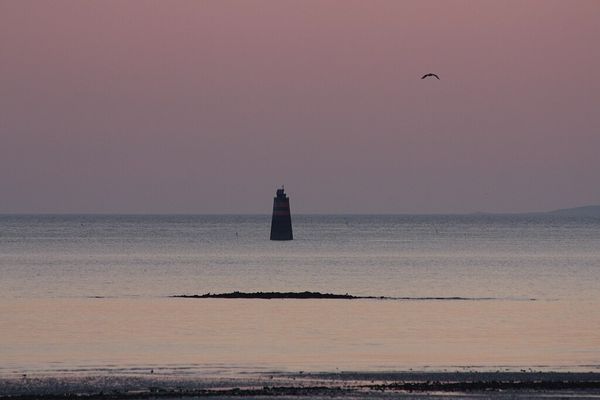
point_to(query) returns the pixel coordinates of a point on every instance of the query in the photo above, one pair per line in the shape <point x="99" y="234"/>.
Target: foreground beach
<point x="86" y="307"/>
<point x="406" y="385"/>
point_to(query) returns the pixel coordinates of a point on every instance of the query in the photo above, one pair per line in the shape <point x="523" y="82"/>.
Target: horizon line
<point x="298" y="213"/>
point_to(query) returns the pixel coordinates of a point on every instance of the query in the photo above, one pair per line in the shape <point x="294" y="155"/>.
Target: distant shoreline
<point x="319" y="295"/>
<point x="273" y="295"/>
<point x="582" y="211"/>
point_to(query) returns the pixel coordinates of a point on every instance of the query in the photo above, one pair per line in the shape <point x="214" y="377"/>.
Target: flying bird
<point x="429" y="74"/>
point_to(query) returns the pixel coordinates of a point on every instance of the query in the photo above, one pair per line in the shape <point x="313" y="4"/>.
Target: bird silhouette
<point x="428" y="75"/>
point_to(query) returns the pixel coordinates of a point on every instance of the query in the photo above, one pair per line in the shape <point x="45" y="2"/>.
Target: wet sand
<point x="51" y="335"/>
<point x="376" y="385"/>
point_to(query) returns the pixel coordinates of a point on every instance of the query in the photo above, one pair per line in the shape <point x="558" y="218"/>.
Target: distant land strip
<point x="319" y="295"/>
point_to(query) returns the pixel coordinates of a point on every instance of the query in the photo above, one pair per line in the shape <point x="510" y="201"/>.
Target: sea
<point x="92" y="294"/>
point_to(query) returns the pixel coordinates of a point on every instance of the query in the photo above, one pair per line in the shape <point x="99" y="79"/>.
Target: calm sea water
<point x="90" y="293"/>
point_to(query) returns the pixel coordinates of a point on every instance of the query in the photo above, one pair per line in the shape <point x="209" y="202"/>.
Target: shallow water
<point x="53" y="268"/>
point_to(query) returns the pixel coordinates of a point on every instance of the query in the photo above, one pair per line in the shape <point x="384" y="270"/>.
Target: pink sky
<point x="208" y="106"/>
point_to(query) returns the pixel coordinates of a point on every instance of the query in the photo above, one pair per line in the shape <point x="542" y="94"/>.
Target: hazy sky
<point x="208" y="106"/>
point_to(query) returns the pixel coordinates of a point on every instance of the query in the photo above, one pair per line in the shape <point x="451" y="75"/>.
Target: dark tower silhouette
<point x="281" y="222"/>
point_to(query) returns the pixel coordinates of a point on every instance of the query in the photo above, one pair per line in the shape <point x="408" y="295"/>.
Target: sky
<point x="208" y="106"/>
